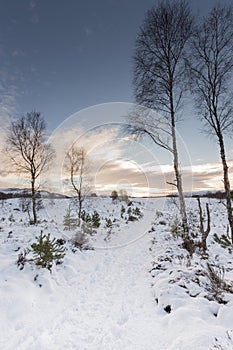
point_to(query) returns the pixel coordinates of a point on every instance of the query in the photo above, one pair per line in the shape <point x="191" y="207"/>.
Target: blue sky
<point x="60" y="56"/>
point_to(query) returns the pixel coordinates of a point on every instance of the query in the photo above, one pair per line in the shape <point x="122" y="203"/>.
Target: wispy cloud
<point x="32" y="4"/>
<point x="117" y="163"/>
<point x="17" y="52"/>
<point x="8" y="96"/>
<point x="34" y="17"/>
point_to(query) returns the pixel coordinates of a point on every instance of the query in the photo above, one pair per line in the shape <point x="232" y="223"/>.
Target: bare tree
<point x="159" y="76"/>
<point x="211" y="75"/>
<point x="28" y="151"/>
<point x="76" y="166"/>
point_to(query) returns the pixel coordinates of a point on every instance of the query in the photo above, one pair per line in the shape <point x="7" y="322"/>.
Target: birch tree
<point x="28" y="151"/>
<point x="211" y="68"/>
<point x="159" y="76"/>
<point x="76" y="168"/>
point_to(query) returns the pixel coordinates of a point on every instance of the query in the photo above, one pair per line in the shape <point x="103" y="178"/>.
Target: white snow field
<point x="114" y="296"/>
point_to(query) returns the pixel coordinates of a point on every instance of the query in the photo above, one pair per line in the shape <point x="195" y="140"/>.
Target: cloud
<point x="34" y="17"/>
<point x="119" y="162"/>
<point x="88" y="31"/>
<point x="32" y="4"/>
<point x="17" y="52"/>
<point x="8" y="95"/>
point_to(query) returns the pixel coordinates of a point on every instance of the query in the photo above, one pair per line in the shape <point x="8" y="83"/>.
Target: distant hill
<point x="8" y="193"/>
<point x="203" y="194"/>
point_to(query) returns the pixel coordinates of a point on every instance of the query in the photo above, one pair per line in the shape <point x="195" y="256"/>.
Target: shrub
<point x="39" y="204"/>
<point x="80" y="241"/>
<point x="86" y="217"/>
<point x="137" y="212"/>
<point x="25" y="204"/>
<point x="108" y="225"/>
<point x="46" y="251"/>
<point x="158" y="214"/>
<point x="95" y="219"/>
<point x="176" y="228"/>
<point x="217" y="284"/>
<point x="114" y="196"/>
<point x="70" y="222"/>
<point x="87" y="228"/>
<point x="22" y="259"/>
<point x="132" y="218"/>
<point x="123" y="196"/>
<point x="223" y="240"/>
<point x="122" y="211"/>
<point x="11" y="218"/>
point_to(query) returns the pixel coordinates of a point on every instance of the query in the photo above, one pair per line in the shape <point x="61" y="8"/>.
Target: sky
<point x="60" y="57"/>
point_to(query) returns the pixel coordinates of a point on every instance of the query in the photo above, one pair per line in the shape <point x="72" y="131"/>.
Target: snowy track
<point x="103" y="299"/>
<point x="96" y="300"/>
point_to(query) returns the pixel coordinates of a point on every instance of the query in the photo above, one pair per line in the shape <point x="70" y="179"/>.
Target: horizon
<point x="68" y="62"/>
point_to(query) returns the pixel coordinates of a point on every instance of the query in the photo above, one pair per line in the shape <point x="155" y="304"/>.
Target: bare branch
<point x="211" y="68"/>
<point x="77" y="168"/>
<point x="160" y="78"/>
<point x="27" y="150"/>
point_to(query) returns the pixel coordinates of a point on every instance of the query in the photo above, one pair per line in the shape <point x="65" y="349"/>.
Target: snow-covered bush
<point x="22" y="259"/>
<point x="80" y="241"/>
<point x="217" y="284"/>
<point x="123" y="196"/>
<point x="176" y="228"/>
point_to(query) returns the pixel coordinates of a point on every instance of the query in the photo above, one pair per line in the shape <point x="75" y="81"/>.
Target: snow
<point x="114" y="296"/>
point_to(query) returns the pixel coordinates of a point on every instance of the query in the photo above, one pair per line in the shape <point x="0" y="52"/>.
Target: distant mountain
<point x="220" y="194"/>
<point x="7" y="193"/>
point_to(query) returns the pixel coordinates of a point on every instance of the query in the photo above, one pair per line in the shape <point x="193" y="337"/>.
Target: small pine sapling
<point x="95" y="219"/>
<point x="46" y="251"/>
<point x="86" y="217"/>
<point x="86" y="225"/>
<point x="108" y="226"/>
<point x="122" y="211"/>
<point x="70" y="222"/>
<point x="217" y="284"/>
<point x="137" y="212"/>
<point x="224" y="241"/>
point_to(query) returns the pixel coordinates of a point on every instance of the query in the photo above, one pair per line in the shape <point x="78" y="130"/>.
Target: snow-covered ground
<point x="136" y="290"/>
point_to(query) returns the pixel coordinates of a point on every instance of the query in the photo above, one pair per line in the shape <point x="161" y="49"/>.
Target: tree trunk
<point x="79" y="207"/>
<point x="34" y="201"/>
<point x="204" y="233"/>
<point x="179" y="184"/>
<point x="176" y="164"/>
<point x="227" y="186"/>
